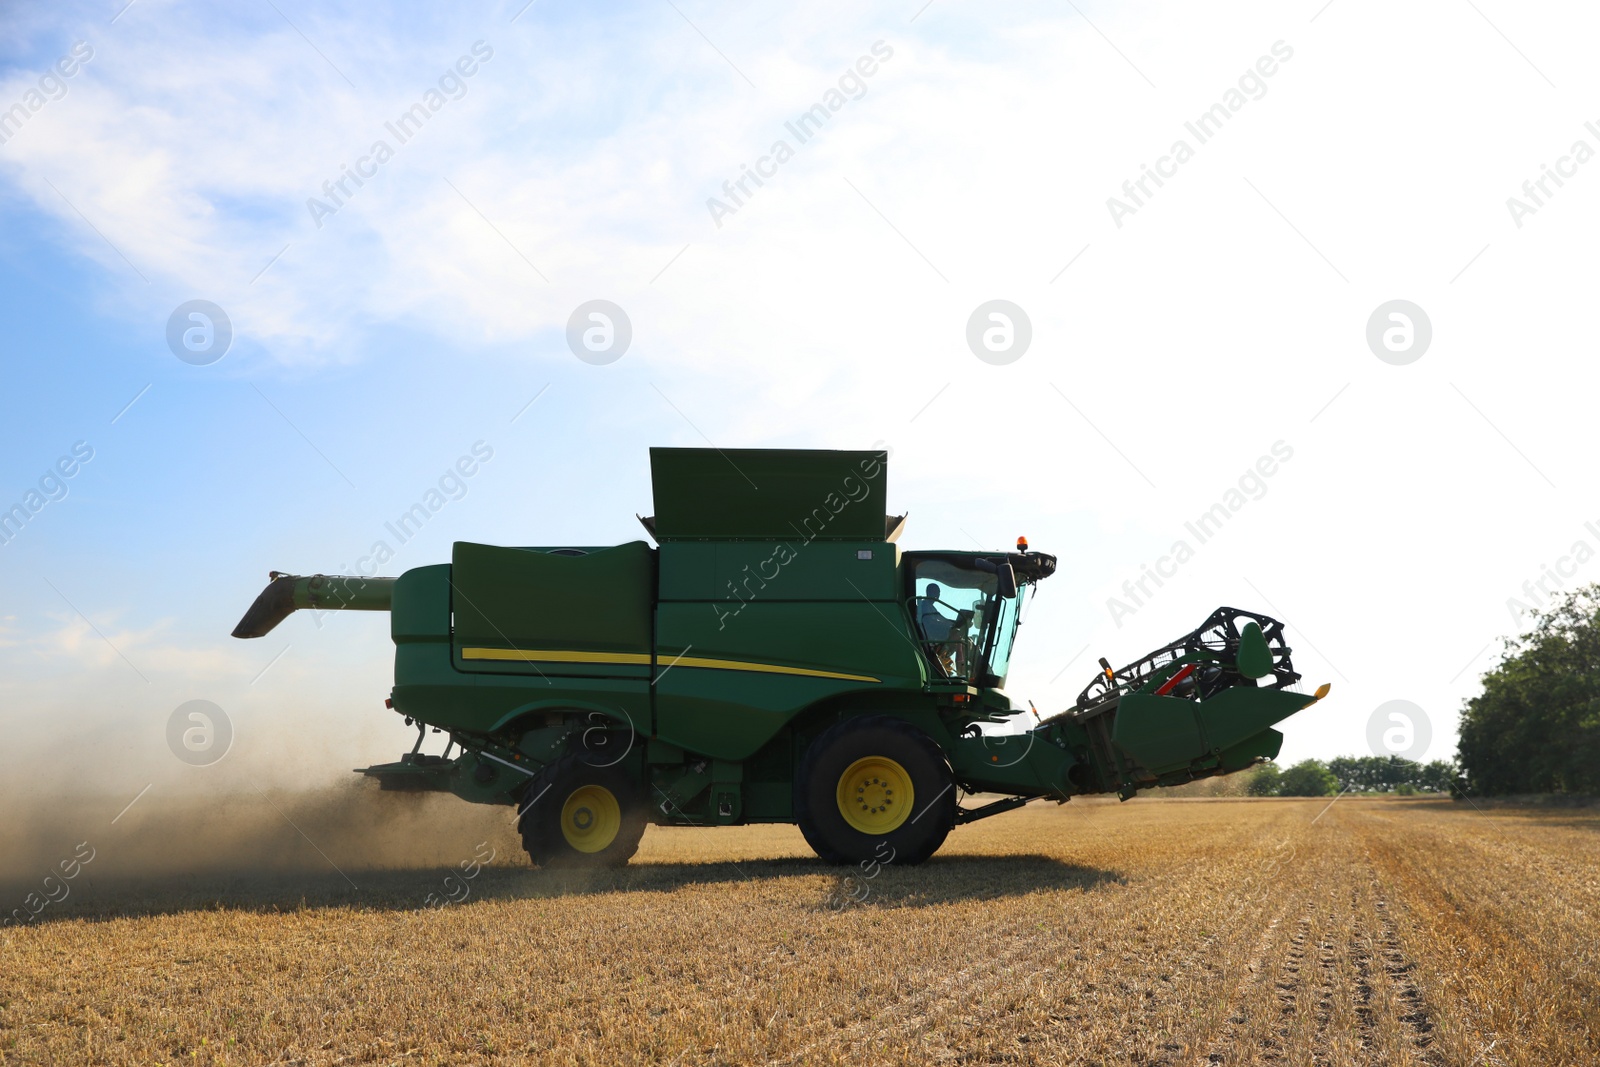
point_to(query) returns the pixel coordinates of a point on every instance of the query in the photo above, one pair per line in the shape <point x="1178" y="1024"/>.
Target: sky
<point x="1184" y="337"/>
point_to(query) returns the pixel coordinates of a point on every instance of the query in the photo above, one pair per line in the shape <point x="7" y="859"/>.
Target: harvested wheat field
<point x="1153" y="932"/>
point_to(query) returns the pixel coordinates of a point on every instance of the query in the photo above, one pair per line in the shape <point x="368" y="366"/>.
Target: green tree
<point x="1308" y="778"/>
<point x="1439" y="776"/>
<point x="1263" y="781"/>
<point x="1347" y="769"/>
<point x="1395" y="771"/>
<point x="1372" y="774"/>
<point x="1535" y="728"/>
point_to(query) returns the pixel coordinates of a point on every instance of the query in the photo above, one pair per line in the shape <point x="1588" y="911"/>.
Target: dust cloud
<point x="347" y="828"/>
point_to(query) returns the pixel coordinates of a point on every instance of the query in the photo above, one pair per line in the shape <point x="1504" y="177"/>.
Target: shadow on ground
<point x="816" y="884"/>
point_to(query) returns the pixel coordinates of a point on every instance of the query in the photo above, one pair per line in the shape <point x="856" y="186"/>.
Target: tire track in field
<point x="919" y="1012"/>
<point x="973" y="978"/>
<point x="1255" y="973"/>
<point x="1286" y="983"/>
<point x="1218" y="1043"/>
<point x="1264" y="896"/>
<point x="1224" y="880"/>
<point x="1487" y="948"/>
<point x="1378" y="947"/>
<point x="1401" y="970"/>
<point x="1360" y="946"/>
<point x="1306" y="985"/>
<point x="972" y="982"/>
<point x="1322" y="1012"/>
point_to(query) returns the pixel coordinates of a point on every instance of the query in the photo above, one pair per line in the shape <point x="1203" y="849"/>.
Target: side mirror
<point x="1008" y="581"/>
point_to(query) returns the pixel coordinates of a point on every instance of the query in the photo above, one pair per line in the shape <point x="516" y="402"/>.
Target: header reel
<point x="1232" y="647"/>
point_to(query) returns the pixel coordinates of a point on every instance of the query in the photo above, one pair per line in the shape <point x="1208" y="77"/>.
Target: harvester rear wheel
<point x="578" y="814"/>
<point x="875" y="788"/>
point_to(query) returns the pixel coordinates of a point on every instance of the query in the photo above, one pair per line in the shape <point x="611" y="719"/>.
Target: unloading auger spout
<point x="288" y="593"/>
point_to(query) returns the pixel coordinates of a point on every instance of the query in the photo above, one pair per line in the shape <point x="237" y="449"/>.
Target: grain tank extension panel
<point x="739" y="494"/>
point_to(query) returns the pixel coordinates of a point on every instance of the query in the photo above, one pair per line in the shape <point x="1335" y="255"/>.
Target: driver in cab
<point x="935" y="627"/>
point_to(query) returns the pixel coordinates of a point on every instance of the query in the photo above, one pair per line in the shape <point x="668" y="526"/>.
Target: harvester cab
<point x="967" y="606"/>
<point x="776" y="657"/>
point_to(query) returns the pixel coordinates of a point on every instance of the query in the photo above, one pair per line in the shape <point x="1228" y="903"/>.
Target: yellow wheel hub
<point x="875" y="795"/>
<point x="591" y="818"/>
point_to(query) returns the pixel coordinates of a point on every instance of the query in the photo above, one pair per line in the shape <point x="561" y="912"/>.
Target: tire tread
<point x="943" y="813"/>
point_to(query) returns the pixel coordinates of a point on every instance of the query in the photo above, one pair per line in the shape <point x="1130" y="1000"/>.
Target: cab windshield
<point x="967" y="629"/>
<point x="1009" y="614"/>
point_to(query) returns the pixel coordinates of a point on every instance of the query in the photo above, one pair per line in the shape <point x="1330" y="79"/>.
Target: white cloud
<point x="77" y="643"/>
<point x="1207" y="327"/>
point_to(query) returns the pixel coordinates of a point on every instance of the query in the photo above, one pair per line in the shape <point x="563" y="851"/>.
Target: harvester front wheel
<point x="578" y="814"/>
<point x="875" y="788"/>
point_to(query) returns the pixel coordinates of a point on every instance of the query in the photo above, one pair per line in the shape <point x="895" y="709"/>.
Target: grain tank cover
<point x="768" y="494"/>
<point x="531" y="598"/>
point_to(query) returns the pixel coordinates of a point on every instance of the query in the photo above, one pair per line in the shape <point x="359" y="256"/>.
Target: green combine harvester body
<point x="777" y="658"/>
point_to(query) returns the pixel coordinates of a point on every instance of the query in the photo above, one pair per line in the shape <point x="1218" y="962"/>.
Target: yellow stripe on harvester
<point x="518" y="655"/>
<point x="547" y="656"/>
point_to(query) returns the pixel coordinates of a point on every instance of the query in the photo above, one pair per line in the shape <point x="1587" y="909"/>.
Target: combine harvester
<point x="778" y="658"/>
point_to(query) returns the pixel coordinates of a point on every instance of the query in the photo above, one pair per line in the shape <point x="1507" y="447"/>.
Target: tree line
<point x="1353" y="774"/>
<point x="1535" y="727"/>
